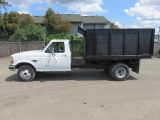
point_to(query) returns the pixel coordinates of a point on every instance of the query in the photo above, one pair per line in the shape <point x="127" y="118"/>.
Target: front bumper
<point x="12" y="67"/>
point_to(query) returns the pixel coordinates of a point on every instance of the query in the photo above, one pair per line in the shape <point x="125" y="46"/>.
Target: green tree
<point x="64" y="26"/>
<point x="113" y="25"/>
<point x="3" y="25"/>
<point x="4" y="4"/>
<point x="13" y="17"/>
<point x="2" y="28"/>
<point x="5" y="18"/>
<point x="29" y="32"/>
<point x="12" y="22"/>
<point x="55" y="24"/>
<point x="25" y="19"/>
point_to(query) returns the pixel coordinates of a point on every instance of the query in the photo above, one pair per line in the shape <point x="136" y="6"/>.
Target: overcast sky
<point x="126" y="13"/>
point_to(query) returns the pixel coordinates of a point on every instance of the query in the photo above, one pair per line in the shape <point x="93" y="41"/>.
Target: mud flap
<point x="135" y="67"/>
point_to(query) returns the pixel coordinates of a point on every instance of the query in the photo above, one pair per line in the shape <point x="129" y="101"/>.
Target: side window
<point x="58" y="47"/>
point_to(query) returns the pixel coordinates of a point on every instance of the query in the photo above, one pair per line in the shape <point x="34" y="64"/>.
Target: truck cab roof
<point x="60" y="40"/>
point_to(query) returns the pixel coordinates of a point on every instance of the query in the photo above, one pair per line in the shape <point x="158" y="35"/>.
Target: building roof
<point x="76" y="18"/>
<point x="38" y="19"/>
<point x="72" y="17"/>
<point x="94" y="19"/>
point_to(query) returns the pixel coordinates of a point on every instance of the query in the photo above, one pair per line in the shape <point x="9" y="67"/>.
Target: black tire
<point x="110" y="69"/>
<point x="26" y="73"/>
<point x="119" y="71"/>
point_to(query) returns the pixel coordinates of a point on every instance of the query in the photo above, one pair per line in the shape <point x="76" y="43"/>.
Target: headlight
<point x="11" y="60"/>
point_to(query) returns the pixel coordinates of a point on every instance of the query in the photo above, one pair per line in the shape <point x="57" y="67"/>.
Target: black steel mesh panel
<point x="116" y="42"/>
<point x="102" y="42"/>
<point x="131" y="42"/>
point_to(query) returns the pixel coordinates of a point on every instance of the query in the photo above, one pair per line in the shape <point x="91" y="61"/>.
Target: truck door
<point x="55" y="58"/>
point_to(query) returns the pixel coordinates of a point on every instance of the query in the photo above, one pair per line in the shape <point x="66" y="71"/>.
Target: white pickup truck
<point x="116" y="50"/>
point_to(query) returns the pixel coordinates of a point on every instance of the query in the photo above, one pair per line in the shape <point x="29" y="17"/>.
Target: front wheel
<point x="119" y="71"/>
<point x="26" y="73"/>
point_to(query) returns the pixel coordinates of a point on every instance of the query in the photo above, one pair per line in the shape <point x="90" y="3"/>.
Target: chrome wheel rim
<point x="25" y="74"/>
<point x="121" y="72"/>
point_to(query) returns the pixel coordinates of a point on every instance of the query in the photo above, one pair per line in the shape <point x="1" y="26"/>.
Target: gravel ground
<point x="81" y="95"/>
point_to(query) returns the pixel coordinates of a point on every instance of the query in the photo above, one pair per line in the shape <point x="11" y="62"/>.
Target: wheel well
<point x="21" y="64"/>
<point x="126" y="62"/>
<point x="134" y="64"/>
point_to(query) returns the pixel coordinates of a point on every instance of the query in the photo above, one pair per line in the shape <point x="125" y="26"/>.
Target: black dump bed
<point x="118" y="43"/>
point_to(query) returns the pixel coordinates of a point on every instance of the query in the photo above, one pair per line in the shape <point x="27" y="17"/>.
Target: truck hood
<point x="34" y="53"/>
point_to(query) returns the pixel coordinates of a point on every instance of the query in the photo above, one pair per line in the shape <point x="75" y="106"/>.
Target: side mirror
<point x="53" y="52"/>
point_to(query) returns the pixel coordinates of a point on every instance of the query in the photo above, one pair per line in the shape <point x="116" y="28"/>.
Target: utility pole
<point x="159" y="33"/>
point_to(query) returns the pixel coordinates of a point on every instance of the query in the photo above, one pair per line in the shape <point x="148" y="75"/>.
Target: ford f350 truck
<point x="115" y="50"/>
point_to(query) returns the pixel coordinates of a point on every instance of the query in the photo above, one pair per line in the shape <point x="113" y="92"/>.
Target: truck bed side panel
<point x="119" y="42"/>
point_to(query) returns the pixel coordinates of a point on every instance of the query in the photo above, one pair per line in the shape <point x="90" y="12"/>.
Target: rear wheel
<point x="26" y="73"/>
<point x="119" y="71"/>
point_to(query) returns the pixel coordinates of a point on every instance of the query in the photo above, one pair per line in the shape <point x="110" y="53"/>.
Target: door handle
<point x="63" y="55"/>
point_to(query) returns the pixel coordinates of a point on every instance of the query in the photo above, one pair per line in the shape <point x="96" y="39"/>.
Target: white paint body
<point x="43" y="61"/>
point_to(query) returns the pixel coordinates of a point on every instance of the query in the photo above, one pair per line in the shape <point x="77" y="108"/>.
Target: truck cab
<point x="56" y="56"/>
